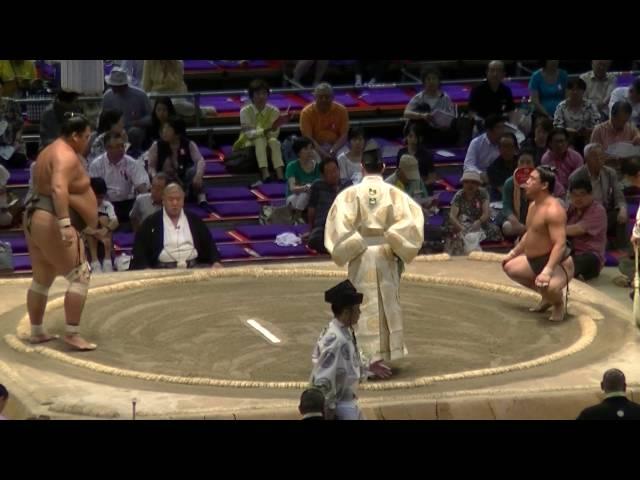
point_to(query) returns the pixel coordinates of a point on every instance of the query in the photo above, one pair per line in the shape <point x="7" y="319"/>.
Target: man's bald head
<point x="495" y="71"/>
<point x="613" y="381"/>
<point x="323" y="95"/>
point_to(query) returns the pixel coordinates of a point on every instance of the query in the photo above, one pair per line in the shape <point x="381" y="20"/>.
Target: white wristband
<point x="64" y="222"/>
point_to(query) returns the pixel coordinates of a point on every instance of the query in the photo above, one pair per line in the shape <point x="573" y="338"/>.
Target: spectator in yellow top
<point x="325" y="122"/>
<point x="18" y="76"/>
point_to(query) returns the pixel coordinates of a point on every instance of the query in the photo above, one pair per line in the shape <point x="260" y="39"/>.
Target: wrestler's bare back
<point x="538" y="240"/>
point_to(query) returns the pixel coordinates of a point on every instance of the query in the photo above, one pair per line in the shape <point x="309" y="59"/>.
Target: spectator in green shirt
<point x="300" y="174"/>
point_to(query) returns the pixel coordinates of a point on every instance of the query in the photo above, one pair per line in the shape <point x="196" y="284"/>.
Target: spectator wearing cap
<point x="562" y="159"/>
<point x="107" y="223"/>
<point x="325" y="122"/>
<point x="4" y="398"/>
<point x="407" y="178"/>
<point x="322" y="194"/>
<point x="260" y="123"/>
<point x="631" y="95"/>
<point x="469" y="213"/>
<point x="616" y="405"/>
<point x="125" y="177"/>
<point x="586" y="229"/>
<point x="312" y="404"/>
<point x="337" y="365"/>
<point x="600" y="84"/>
<point x="618" y="129"/>
<point x="484" y="149"/>
<point x="576" y="114"/>
<point x="132" y="101"/>
<point x="53" y="116"/>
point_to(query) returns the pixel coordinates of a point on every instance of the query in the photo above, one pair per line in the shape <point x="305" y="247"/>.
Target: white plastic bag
<point x="472" y="241"/>
<point x="122" y="262"/>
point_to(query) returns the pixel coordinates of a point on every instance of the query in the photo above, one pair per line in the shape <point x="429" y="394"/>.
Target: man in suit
<point x="312" y="404"/>
<point x="615" y="406"/>
<point x="173" y="237"/>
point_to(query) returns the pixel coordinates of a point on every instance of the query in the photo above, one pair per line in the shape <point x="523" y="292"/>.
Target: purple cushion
<point x="226" y="150"/>
<point x="458" y="155"/>
<point x="206" y="152"/>
<point x="239" y="209"/>
<point x="518" y="89"/>
<point x="21" y="262"/>
<point x="273" y="190"/>
<point x="280" y="101"/>
<point x="632" y="208"/>
<point x="220" y="235"/>
<point x="343" y="98"/>
<point x="222" y="103"/>
<point x="231" y="64"/>
<point x="214" y="168"/>
<point x="197" y="211"/>
<point x="199" y="65"/>
<point x="273" y="250"/>
<point x="228" y="194"/>
<point x="232" y="251"/>
<point x="625" y="80"/>
<point x="263" y="232"/>
<point x="610" y="260"/>
<point x="300" y="229"/>
<point x="385" y="96"/>
<point x="453" y="180"/>
<point x="18" y="244"/>
<point x="445" y="197"/>
<point x="457" y="93"/>
<point x="435" y="221"/>
<point x="19" y="177"/>
<point x="124" y="239"/>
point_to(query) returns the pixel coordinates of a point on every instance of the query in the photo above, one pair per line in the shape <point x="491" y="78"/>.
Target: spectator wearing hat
<point x="469" y="213"/>
<point x="132" y="101"/>
<point x="616" y="405"/>
<point x="4" y="398"/>
<point x="338" y="366"/>
<point x="407" y="178"/>
<point x="312" y="404"/>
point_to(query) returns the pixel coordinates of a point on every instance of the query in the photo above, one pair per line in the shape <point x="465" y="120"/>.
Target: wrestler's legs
<point x="43" y="275"/>
<point x="519" y="270"/>
<point x="555" y="291"/>
<point x="70" y="262"/>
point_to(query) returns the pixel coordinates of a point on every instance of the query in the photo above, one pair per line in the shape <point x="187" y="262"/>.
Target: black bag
<point x="242" y="161"/>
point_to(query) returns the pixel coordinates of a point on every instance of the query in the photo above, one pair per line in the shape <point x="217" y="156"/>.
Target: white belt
<point x="374" y="241"/>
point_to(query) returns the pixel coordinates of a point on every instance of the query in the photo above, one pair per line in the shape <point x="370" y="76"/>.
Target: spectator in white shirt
<point x="631" y="95"/>
<point x="483" y="149"/>
<point x="107" y="223"/>
<point x="350" y="162"/>
<point x="124" y="176"/>
<point x="600" y="84"/>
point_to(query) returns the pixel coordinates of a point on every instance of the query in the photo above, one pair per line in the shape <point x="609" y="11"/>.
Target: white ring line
<point x="265" y="333"/>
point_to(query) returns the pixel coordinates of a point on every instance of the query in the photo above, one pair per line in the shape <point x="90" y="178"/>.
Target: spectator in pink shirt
<point x="586" y="229"/>
<point x="562" y="159"/>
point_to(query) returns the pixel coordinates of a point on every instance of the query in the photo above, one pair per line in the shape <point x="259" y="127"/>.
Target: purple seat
<point x="197" y="211"/>
<point x="21" y="263"/>
<point x="230" y="64"/>
<point x="220" y="235"/>
<point x="222" y="103"/>
<point x="280" y="101"/>
<point x="199" y="65"/>
<point x="632" y="208"/>
<point x="124" y="239"/>
<point x="228" y="252"/>
<point x="239" y="209"/>
<point x="300" y="229"/>
<point x="457" y="93"/>
<point x="445" y="197"/>
<point x="226" y="150"/>
<point x="273" y="250"/>
<point x="264" y="232"/>
<point x="206" y="152"/>
<point x="343" y="98"/>
<point x="435" y="221"/>
<point x="625" y="80"/>
<point x="18" y="244"/>
<point x="19" y="177"/>
<point x="228" y="194"/>
<point x="518" y="89"/>
<point x="214" y="168"/>
<point x="453" y="180"/>
<point x="384" y="96"/>
<point x="458" y="155"/>
<point x="273" y="190"/>
<point x="610" y="260"/>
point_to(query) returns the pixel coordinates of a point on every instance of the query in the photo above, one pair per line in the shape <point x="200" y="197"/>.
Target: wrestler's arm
<point x="63" y="168"/>
<point x="556" y="223"/>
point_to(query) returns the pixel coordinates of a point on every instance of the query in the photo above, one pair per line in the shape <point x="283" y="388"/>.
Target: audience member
<point x="407" y="178"/>
<point x="631" y="95"/>
<point x="515" y="204"/>
<point x="134" y="69"/>
<point x="53" y="116"/>
<point x="107" y="223"/>
<point x="547" y="88"/>
<point x="576" y="114"/>
<point x="484" y="149"/>
<point x="562" y="160"/>
<point x="174" y="237"/>
<point x="167" y="77"/>
<point x="350" y="162"/>
<point x="491" y="97"/>
<point x="414" y="146"/>
<point x="148" y="203"/>
<point x="20" y="76"/>
<point x="163" y="110"/>
<point x="504" y="166"/>
<point x="300" y="174"/>
<point x="303" y="66"/>
<point x="616" y="405"/>
<point x="109" y="121"/>
<point x="586" y="230"/>
<point x="538" y="144"/>
<point x="600" y="84"/>
<point x="618" y="129"/>
<point x="12" y="148"/>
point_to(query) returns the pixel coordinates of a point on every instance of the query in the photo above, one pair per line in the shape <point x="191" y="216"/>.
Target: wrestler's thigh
<point x="519" y="267"/>
<point x="46" y="236"/>
<point x="560" y="279"/>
